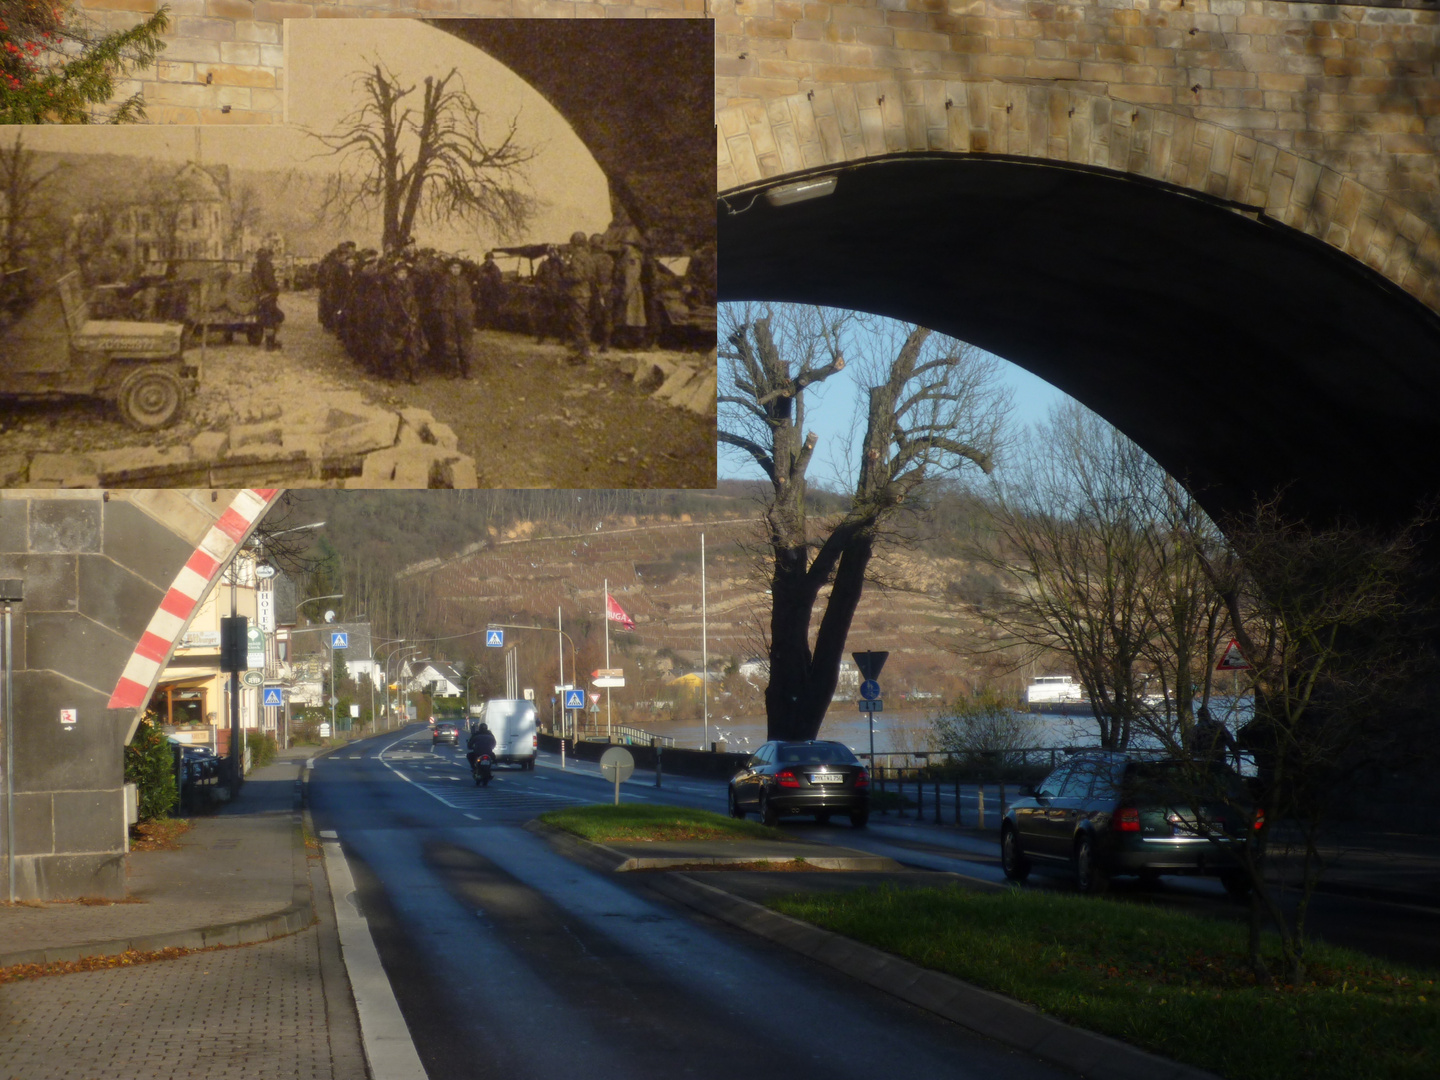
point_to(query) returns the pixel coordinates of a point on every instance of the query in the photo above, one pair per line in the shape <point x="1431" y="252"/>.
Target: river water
<point x="901" y="731"/>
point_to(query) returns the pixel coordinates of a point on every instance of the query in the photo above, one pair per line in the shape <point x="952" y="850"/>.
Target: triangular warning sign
<point x="1232" y="659"/>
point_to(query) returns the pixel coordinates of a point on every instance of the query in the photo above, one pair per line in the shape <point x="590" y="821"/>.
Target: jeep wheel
<point x="151" y="398"/>
<point x="255" y="334"/>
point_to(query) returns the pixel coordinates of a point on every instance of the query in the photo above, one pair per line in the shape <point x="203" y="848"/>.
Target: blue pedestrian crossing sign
<point x="574" y="699"/>
<point x="495" y="639"/>
<point x="274" y="697"/>
<point x="339" y="639"/>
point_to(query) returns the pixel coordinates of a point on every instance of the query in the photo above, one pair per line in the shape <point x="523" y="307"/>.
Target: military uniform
<point x="455" y="310"/>
<point x="488" y="292"/>
<point x="267" y="297"/>
<point x="579" y="270"/>
<point x="602" y="316"/>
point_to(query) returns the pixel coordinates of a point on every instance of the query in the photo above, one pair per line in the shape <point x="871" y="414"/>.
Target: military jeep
<point x="56" y="350"/>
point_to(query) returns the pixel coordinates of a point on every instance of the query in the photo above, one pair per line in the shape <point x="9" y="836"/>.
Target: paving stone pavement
<point x="280" y="1009"/>
<point x="257" y="1012"/>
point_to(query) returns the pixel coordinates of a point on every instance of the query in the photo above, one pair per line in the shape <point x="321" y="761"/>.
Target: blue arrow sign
<point x="339" y="639"/>
<point x="495" y="639"/>
<point x="274" y="697"/>
<point x="869" y="689"/>
<point x="574" y="699"/>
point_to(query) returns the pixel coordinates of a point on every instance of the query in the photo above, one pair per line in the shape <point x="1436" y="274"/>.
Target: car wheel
<point x="151" y="397"/>
<point x="768" y="815"/>
<point x="823" y="817"/>
<point x="1090" y="877"/>
<point x="1012" y="859"/>
<point x="254" y="334"/>
<point x="736" y="810"/>
<point x="1237" y="884"/>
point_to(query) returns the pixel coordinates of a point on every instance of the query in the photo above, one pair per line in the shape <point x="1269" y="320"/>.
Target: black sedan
<point x="1103" y="813"/>
<point x="445" y="731"/>
<point x="819" y="778"/>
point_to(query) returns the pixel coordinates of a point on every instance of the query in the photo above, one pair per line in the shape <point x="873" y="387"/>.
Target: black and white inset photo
<point x="478" y="253"/>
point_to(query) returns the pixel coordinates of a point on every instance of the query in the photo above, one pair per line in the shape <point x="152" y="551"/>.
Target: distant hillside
<point x="521" y="574"/>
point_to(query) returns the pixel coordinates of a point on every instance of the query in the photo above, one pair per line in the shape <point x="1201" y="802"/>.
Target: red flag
<point x="615" y="613"/>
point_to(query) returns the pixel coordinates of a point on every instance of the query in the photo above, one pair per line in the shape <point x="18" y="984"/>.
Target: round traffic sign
<point x="870" y="689"/>
<point x="265" y="571"/>
<point x="253" y="678"/>
<point x="617" y="760"/>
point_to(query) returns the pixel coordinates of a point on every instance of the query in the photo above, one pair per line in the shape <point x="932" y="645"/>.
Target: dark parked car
<point x="1103" y="813"/>
<point x="445" y="731"/>
<point x="820" y="778"/>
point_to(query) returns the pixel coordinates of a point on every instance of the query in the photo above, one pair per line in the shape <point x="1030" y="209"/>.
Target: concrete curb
<point x="872" y="862"/>
<point x="294" y="917"/>
<point x="982" y="1011"/>
<point x="613" y="861"/>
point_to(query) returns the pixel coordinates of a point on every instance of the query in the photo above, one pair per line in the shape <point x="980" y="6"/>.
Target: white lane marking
<point x="389" y="1050"/>
<point x="472" y="817"/>
<point x="310" y="763"/>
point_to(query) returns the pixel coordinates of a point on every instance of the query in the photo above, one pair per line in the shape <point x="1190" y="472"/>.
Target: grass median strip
<point x="628" y="823"/>
<point x="1173" y="983"/>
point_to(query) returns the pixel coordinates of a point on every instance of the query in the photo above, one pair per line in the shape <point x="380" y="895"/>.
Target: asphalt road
<point x="510" y="961"/>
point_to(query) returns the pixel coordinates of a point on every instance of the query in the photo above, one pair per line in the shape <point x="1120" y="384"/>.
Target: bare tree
<point x="21" y="183"/>
<point x="1326" y="618"/>
<point x="1070" y="538"/>
<point x="932" y="405"/>
<point x="430" y="162"/>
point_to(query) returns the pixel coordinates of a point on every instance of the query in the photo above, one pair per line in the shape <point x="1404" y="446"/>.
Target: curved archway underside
<point x="1244" y="355"/>
<point x="639" y="94"/>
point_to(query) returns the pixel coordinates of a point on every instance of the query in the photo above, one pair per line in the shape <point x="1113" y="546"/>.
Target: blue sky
<point x="830" y="413"/>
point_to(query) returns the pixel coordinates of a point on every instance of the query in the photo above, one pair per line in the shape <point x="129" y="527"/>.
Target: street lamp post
<point x="394" y="655"/>
<point x="373" y="648"/>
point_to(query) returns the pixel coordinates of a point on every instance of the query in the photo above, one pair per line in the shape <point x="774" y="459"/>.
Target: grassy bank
<point x="631" y="822"/>
<point x="1167" y="981"/>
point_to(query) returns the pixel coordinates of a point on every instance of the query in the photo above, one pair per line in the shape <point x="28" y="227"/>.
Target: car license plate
<point x="826" y="778"/>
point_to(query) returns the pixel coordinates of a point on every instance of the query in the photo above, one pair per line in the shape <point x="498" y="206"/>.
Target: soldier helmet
<point x="577" y="238"/>
<point x="263" y="253"/>
<point x="597" y="240"/>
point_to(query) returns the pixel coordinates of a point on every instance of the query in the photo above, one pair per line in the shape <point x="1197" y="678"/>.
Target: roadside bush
<point x="983" y="731"/>
<point x="262" y="747"/>
<point x="150" y="765"/>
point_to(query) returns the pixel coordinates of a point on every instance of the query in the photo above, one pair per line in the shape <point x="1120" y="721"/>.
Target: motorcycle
<point x="480" y="769"/>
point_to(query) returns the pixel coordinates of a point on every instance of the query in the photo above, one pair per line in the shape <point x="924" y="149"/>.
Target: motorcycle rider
<point x="482" y="741"/>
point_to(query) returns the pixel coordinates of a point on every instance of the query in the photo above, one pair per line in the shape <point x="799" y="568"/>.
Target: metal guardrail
<point x="1023" y="756"/>
<point x="623" y="733"/>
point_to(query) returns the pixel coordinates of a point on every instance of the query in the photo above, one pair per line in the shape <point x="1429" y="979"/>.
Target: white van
<point x="512" y="722"/>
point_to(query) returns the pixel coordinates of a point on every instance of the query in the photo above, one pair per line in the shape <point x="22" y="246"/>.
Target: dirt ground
<point x="529" y="418"/>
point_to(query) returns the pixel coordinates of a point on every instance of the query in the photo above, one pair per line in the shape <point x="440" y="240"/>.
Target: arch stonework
<point x="111" y="580"/>
<point x="239" y="44"/>
<point x="1325" y="118"/>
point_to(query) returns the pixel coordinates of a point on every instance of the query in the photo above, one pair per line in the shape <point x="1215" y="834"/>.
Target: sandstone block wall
<point x="1354" y="90"/>
<point x="96" y="566"/>
<point x="224" y="63"/>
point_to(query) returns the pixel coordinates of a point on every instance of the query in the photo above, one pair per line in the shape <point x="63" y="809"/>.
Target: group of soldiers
<point x="410" y="309"/>
<point x="405" y="310"/>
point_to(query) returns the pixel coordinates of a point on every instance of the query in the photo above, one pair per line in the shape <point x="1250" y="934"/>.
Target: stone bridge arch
<point x="1213" y="221"/>
<point x="110" y="582"/>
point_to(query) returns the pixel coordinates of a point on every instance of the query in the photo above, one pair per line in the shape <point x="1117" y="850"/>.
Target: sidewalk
<point x="278" y="1008"/>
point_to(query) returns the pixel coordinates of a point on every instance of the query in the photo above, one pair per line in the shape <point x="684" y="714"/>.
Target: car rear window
<point x="1177" y="779"/>
<point x="822" y="753"/>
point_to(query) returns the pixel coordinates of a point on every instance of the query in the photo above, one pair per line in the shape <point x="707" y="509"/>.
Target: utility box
<point x="132" y="805"/>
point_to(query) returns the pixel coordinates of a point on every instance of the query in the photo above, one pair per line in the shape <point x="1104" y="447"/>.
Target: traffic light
<point x="234" y="643"/>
